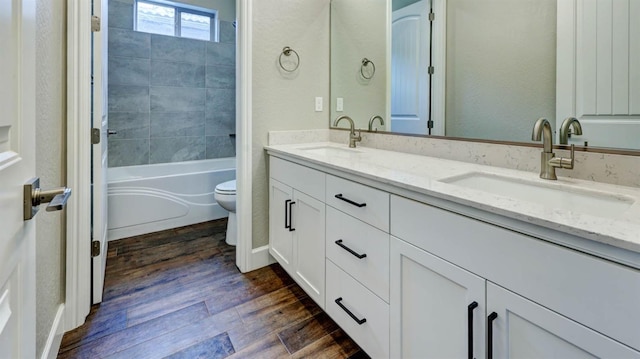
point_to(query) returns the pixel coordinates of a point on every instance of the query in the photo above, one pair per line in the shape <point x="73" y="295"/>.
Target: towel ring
<point x="365" y="63"/>
<point x="286" y="51"/>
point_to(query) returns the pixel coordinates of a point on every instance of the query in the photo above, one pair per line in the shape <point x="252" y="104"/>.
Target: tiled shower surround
<point x="170" y="99"/>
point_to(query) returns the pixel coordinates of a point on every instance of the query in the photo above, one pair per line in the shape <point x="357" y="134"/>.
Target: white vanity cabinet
<point x="297" y="224"/>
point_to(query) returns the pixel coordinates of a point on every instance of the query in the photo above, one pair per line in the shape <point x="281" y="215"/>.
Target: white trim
<point x="52" y="346"/>
<point x="260" y="257"/>
<point x="244" y="148"/>
<point x="78" y="266"/>
<point x="438" y="88"/>
<point x="566" y="61"/>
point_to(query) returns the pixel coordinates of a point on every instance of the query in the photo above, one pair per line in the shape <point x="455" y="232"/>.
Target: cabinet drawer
<point x="597" y="293"/>
<point x="302" y="178"/>
<point x="372" y="270"/>
<point x="372" y="335"/>
<point x="365" y="203"/>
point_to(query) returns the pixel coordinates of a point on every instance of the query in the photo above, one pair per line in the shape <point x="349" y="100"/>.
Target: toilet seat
<point x="227" y="188"/>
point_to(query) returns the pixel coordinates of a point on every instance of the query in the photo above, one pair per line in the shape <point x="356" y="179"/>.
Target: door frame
<point x="78" y="259"/>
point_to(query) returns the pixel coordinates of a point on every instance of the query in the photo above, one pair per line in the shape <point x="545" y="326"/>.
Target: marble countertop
<point x="423" y="174"/>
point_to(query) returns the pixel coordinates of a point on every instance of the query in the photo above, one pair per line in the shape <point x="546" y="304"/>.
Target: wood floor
<point x="178" y="294"/>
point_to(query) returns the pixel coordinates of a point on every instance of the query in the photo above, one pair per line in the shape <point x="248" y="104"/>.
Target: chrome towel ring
<point x="364" y="65"/>
<point x="286" y="51"/>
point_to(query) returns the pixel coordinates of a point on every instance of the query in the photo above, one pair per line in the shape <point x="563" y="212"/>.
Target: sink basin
<point x="550" y="195"/>
<point x="331" y="151"/>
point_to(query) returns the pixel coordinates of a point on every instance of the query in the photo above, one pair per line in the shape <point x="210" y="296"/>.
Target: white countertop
<point x="422" y="174"/>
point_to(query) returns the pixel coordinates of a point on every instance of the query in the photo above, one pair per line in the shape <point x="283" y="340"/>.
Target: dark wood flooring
<point x="178" y="294"/>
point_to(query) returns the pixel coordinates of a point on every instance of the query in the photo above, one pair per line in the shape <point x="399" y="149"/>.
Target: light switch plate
<point x="340" y="104"/>
<point x="318" y="104"/>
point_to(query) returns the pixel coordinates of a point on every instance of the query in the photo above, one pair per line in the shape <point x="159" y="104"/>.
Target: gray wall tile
<point x="129" y="43"/>
<point x="124" y="98"/>
<point x="129" y="125"/>
<point x="178" y="49"/>
<point x="175" y="124"/>
<point x="219" y="123"/>
<point x="180" y="74"/>
<point x="177" y="99"/>
<point x="221" y="53"/>
<point x="221" y="76"/>
<point x="220" y="147"/>
<point x="128" y="71"/>
<point x="177" y="149"/>
<point x="121" y="15"/>
<point x="128" y="152"/>
<point x="221" y="100"/>
<point x="227" y="32"/>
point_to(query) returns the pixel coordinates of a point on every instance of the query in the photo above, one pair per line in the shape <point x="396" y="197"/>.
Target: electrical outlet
<point x="318" y="104"/>
<point x="340" y="104"/>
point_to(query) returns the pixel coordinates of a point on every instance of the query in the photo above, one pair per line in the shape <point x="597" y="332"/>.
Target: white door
<point x="435" y="306"/>
<point x="598" y="71"/>
<point x="523" y="329"/>
<point x="280" y="235"/>
<point x="307" y="221"/>
<point x="409" y="69"/>
<point x="99" y="151"/>
<point x="17" y="166"/>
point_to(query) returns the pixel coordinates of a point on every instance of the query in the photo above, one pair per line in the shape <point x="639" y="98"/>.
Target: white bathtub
<point x="150" y="198"/>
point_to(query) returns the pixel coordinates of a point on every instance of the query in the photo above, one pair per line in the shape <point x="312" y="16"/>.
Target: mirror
<point x="498" y="66"/>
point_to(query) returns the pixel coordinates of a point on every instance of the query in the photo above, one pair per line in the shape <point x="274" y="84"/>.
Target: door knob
<point x="34" y="196"/>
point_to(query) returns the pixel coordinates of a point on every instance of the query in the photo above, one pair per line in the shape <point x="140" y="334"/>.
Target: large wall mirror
<point x="488" y="69"/>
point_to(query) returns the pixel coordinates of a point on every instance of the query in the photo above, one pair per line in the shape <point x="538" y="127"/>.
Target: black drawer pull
<point x="360" y="256"/>
<point x="339" y="196"/>
<point x="359" y="321"/>
<point x="291" y="229"/>
<point x="470" y="309"/>
<point x="287" y="224"/>
<point x="491" y="318"/>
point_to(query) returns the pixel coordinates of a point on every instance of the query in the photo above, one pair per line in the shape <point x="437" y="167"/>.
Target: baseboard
<point x="260" y="257"/>
<point x="52" y="346"/>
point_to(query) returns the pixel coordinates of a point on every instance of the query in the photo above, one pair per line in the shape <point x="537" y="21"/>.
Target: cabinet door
<point x="523" y="329"/>
<point x="432" y="310"/>
<point x="280" y="236"/>
<point x="307" y="220"/>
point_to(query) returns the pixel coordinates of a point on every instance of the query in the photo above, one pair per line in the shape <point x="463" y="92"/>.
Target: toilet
<point x="225" y="195"/>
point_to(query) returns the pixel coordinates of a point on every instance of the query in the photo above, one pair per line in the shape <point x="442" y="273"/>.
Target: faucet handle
<point x="563" y="162"/>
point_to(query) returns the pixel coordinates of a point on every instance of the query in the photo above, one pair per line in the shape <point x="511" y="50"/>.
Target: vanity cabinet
<point x="297" y="225"/>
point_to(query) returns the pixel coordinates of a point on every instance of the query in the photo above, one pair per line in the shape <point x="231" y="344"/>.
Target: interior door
<point x="17" y="166"/>
<point x="99" y="150"/>
<point x="409" y="69"/>
<point x="598" y="71"/>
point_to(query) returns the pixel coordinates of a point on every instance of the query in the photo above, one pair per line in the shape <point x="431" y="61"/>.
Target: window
<point x="167" y="19"/>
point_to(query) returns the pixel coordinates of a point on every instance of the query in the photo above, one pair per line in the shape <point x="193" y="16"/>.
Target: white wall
<point x="501" y="67"/>
<point x="50" y="160"/>
<point x="283" y="101"/>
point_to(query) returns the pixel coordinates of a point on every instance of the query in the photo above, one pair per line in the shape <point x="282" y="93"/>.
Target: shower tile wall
<point x="170" y="99"/>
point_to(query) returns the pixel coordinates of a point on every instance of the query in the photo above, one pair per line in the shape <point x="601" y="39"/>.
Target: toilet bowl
<point x="225" y="195"/>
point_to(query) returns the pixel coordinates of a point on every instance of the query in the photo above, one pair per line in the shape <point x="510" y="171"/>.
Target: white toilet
<point x="225" y="195"/>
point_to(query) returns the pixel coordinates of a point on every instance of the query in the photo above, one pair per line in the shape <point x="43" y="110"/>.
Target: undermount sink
<point x="550" y="195"/>
<point x="331" y="151"/>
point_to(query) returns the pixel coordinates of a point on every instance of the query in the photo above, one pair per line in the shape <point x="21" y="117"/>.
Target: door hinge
<point x="95" y="136"/>
<point x="431" y="70"/>
<point x="429" y="124"/>
<point x="432" y="16"/>
<point x="95" y="23"/>
<point x="95" y="248"/>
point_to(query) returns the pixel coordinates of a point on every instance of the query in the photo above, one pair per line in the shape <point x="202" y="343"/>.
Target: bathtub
<point x="151" y="198"/>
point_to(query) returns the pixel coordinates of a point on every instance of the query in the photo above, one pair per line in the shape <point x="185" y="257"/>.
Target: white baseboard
<point x="260" y="257"/>
<point x="52" y="346"/>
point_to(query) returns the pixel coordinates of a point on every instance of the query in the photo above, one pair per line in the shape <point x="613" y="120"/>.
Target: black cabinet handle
<point x="291" y="229"/>
<point x="470" y="309"/>
<point x="286" y="214"/>
<point x="360" y="256"/>
<point x="491" y="318"/>
<point x="339" y="196"/>
<point x="359" y="321"/>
